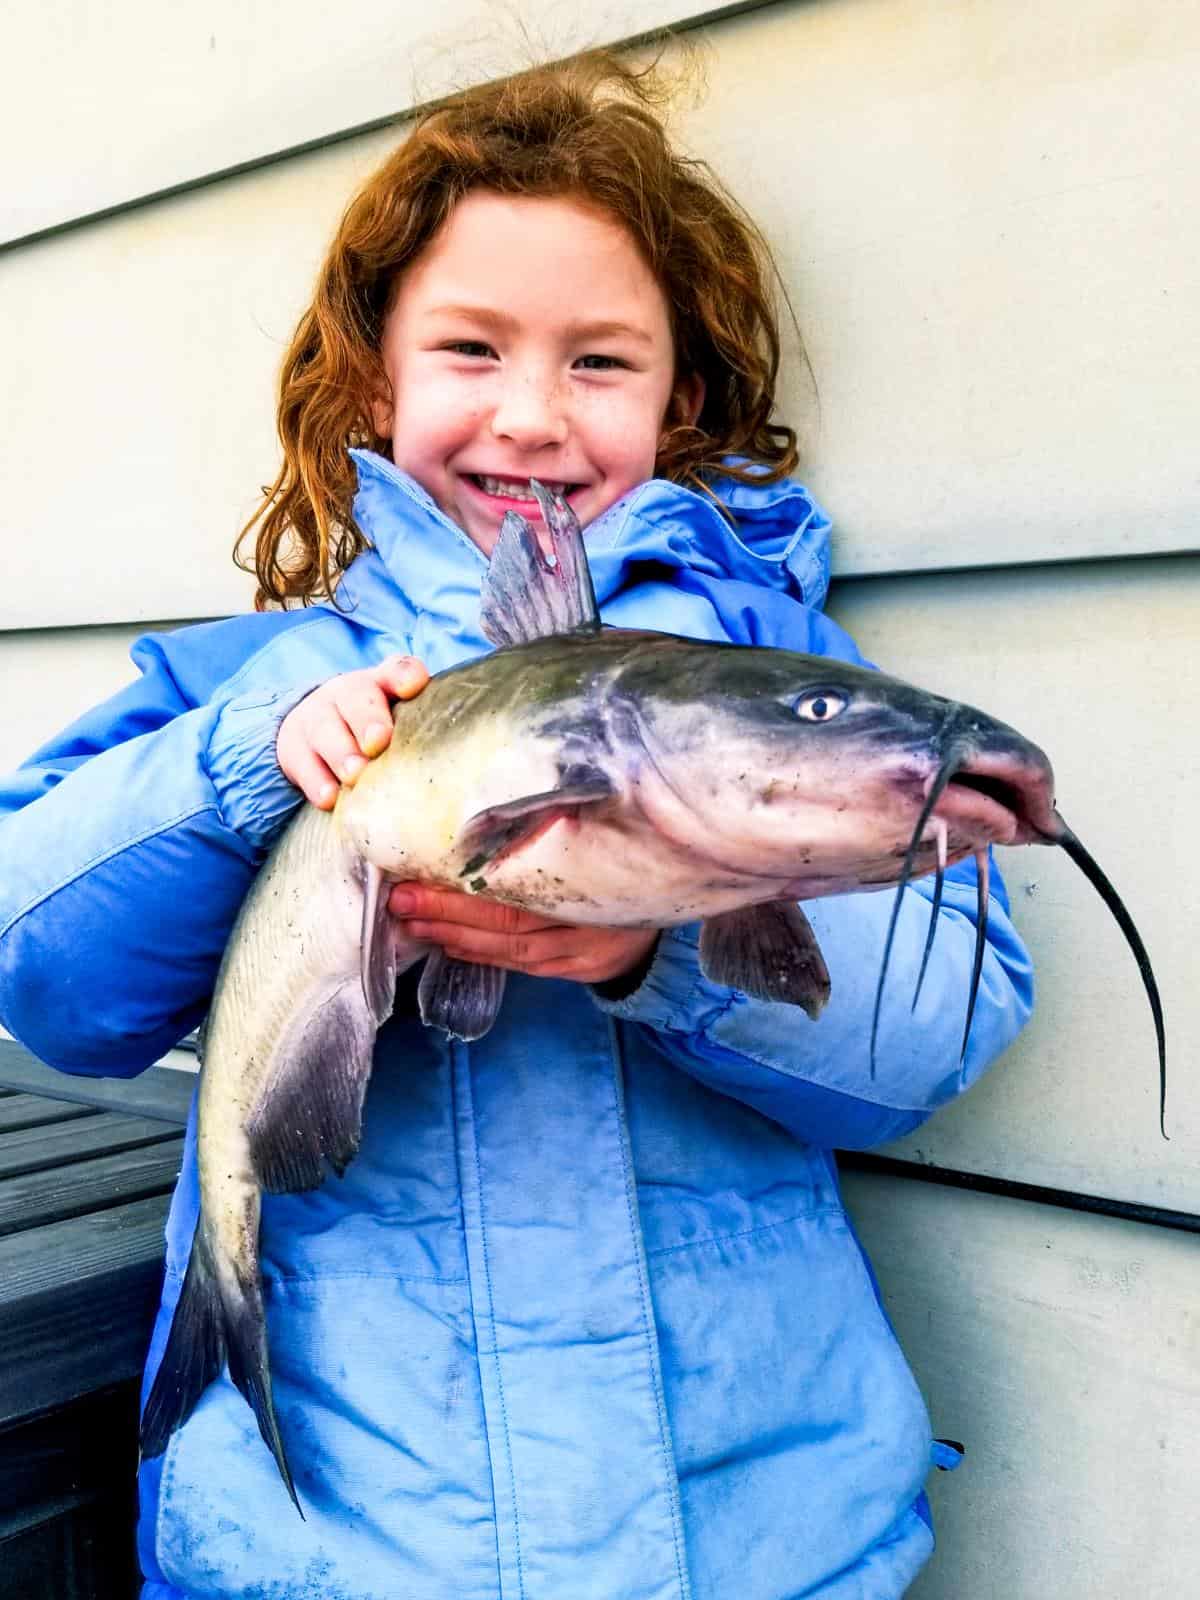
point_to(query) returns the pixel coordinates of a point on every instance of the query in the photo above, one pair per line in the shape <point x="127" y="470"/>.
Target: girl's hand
<point x="474" y="928"/>
<point x="328" y="738"/>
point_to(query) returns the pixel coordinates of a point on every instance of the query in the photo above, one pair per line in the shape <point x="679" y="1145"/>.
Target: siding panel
<point x="223" y="84"/>
<point x="1098" y="665"/>
<point x="51" y="678"/>
<point x="1063" y="1351"/>
<point x="980" y="221"/>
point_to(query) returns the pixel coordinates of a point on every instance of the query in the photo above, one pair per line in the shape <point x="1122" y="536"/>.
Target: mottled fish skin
<point x="720" y="796"/>
<point x="298" y="932"/>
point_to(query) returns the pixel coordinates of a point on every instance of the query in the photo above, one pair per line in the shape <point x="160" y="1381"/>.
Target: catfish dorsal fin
<point x="524" y="596"/>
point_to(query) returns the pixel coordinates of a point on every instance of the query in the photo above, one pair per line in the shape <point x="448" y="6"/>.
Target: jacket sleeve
<point x="815" y="1078"/>
<point x="126" y="847"/>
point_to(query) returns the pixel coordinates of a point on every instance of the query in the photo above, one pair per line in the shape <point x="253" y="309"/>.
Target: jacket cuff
<point x="254" y="795"/>
<point x="674" y="995"/>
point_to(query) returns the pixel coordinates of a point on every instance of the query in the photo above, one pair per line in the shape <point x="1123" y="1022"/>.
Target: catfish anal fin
<point x="310" y="1108"/>
<point x="460" y="996"/>
<point x="768" y="951"/>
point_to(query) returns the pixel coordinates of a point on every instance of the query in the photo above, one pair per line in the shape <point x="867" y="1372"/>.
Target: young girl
<point x="585" y="1317"/>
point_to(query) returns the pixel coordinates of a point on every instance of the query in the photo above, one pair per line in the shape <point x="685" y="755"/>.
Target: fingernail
<point x="377" y="735"/>
<point x="401" y="901"/>
<point x="327" y="794"/>
<point x="352" y="766"/>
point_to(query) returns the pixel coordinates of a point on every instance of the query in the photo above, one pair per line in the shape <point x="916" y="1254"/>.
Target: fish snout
<point x="999" y="796"/>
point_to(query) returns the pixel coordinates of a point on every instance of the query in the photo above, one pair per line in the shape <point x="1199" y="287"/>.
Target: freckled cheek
<point x="625" y="443"/>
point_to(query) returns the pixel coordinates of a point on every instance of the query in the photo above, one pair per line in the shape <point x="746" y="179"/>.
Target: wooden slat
<point x="33" y="1199"/>
<point x="161" y="1093"/>
<point x="39" y="1149"/>
<point x="79" y="1546"/>
<point x="1061" y="1349"/>
<point x="1099" y="666"/>
<point x="33" y="1110"/>
<point x="77" y="1299"/>
<point x="183" y="71"/>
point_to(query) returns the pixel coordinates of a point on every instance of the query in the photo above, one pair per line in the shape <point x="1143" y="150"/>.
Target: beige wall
<point x="986" y="216"/>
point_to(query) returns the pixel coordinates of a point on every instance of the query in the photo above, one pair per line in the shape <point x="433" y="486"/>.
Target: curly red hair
<point x="586" y="128"/>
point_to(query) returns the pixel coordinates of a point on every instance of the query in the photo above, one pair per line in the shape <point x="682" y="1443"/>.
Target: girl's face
<point x="529" y="339"/>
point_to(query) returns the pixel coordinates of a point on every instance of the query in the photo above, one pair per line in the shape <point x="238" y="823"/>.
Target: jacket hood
<point x="422" y="568"/>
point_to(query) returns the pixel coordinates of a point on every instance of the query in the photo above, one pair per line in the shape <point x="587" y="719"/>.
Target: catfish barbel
<point x="595" y="776"/>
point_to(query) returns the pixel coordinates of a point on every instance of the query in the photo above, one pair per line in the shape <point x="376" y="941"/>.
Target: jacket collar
<point x="423" y="562"/>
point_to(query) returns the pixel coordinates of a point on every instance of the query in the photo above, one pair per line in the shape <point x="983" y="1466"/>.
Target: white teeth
<point x="511" y="488"/>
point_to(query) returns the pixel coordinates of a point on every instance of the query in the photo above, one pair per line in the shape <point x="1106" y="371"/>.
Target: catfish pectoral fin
<point x="460" y="996"/>
<point x="769" y="951"/>
<point x="310" y="1108"/>
<point x="378" y="955"/>
<point x="203" y="1330"/>
<point x="489" y="833"/>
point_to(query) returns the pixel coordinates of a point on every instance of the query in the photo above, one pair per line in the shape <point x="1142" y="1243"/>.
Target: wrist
<point x="631" y="978"/>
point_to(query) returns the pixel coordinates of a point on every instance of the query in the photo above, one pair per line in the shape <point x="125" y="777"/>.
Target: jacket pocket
<point x="801" y="1438"/>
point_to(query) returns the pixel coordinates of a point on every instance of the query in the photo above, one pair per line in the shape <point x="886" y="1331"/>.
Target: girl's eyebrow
<point x="574" y="330"/>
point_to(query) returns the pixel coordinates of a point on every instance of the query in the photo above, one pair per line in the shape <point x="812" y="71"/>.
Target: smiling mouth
<point x="518" y="488"/>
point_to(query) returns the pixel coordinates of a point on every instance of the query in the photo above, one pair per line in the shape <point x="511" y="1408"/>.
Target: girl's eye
<point x="606" y="363"/>
<point x="820" y="705"/>
<point x="470" y="347"/>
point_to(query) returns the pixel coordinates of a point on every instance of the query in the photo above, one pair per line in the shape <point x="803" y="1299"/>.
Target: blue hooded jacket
<point x="585" y="1317"/>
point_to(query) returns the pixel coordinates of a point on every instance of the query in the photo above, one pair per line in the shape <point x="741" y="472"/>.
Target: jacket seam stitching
<point x="796" y="1077"/>
<point x="670" y="1468"/>
<point x="101" y="857"/>
<point x="264" y="650"/>
<point x="283" y="1279"/>
<point x="746" y="1233"/>
<point x="494" y="1353"/>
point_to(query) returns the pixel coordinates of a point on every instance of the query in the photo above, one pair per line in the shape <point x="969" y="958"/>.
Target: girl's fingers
<point x="402" y="677"/>
<point x="367" y="712"/>
<point x="334" y="730"/>
<point x="365" y="699"/>
<point x="312" y="777"/>
<point x="332" y="740"/>
<point x="463" y="910"/>
<point x="527" y="952"/>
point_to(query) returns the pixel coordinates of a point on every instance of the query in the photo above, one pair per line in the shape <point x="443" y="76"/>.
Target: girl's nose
<point x="530" y="412"/>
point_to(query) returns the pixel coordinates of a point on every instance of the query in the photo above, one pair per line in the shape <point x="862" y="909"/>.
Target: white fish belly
<point x="618" y="873"/>
<point x="299" y="930"/>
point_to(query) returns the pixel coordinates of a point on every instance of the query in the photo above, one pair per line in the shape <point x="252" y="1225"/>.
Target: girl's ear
<point x="688" y="398"/>
<point x="381" y="415"/>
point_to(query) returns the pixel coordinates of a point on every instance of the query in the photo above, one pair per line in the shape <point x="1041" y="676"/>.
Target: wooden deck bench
<point x="87" y="1166"/>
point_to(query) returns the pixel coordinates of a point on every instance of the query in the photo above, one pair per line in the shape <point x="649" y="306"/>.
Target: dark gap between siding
<point x="1039" y="1194"/>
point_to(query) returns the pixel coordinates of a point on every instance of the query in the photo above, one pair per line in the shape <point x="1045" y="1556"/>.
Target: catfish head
<point x="814" y="772"/>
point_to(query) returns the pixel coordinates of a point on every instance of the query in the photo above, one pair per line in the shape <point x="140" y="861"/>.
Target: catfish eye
<point x="820" y="705"/>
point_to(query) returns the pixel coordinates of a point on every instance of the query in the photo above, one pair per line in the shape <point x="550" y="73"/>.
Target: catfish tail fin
<point x="205" y="1331"/>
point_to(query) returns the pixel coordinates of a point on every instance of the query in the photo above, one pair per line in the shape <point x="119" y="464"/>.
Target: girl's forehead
<point x="532" y="247"/>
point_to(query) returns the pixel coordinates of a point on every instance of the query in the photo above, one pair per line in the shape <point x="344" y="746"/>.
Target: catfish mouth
<point x="983" y="807"/>
<point x="993" y="800"/>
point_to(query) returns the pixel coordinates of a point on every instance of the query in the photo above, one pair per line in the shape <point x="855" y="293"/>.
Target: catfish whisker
<point x="1096" y="876"/>
<point x="939" y="834"/>
<point x="942" y="777"/>
<point x="982" y="865"/>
